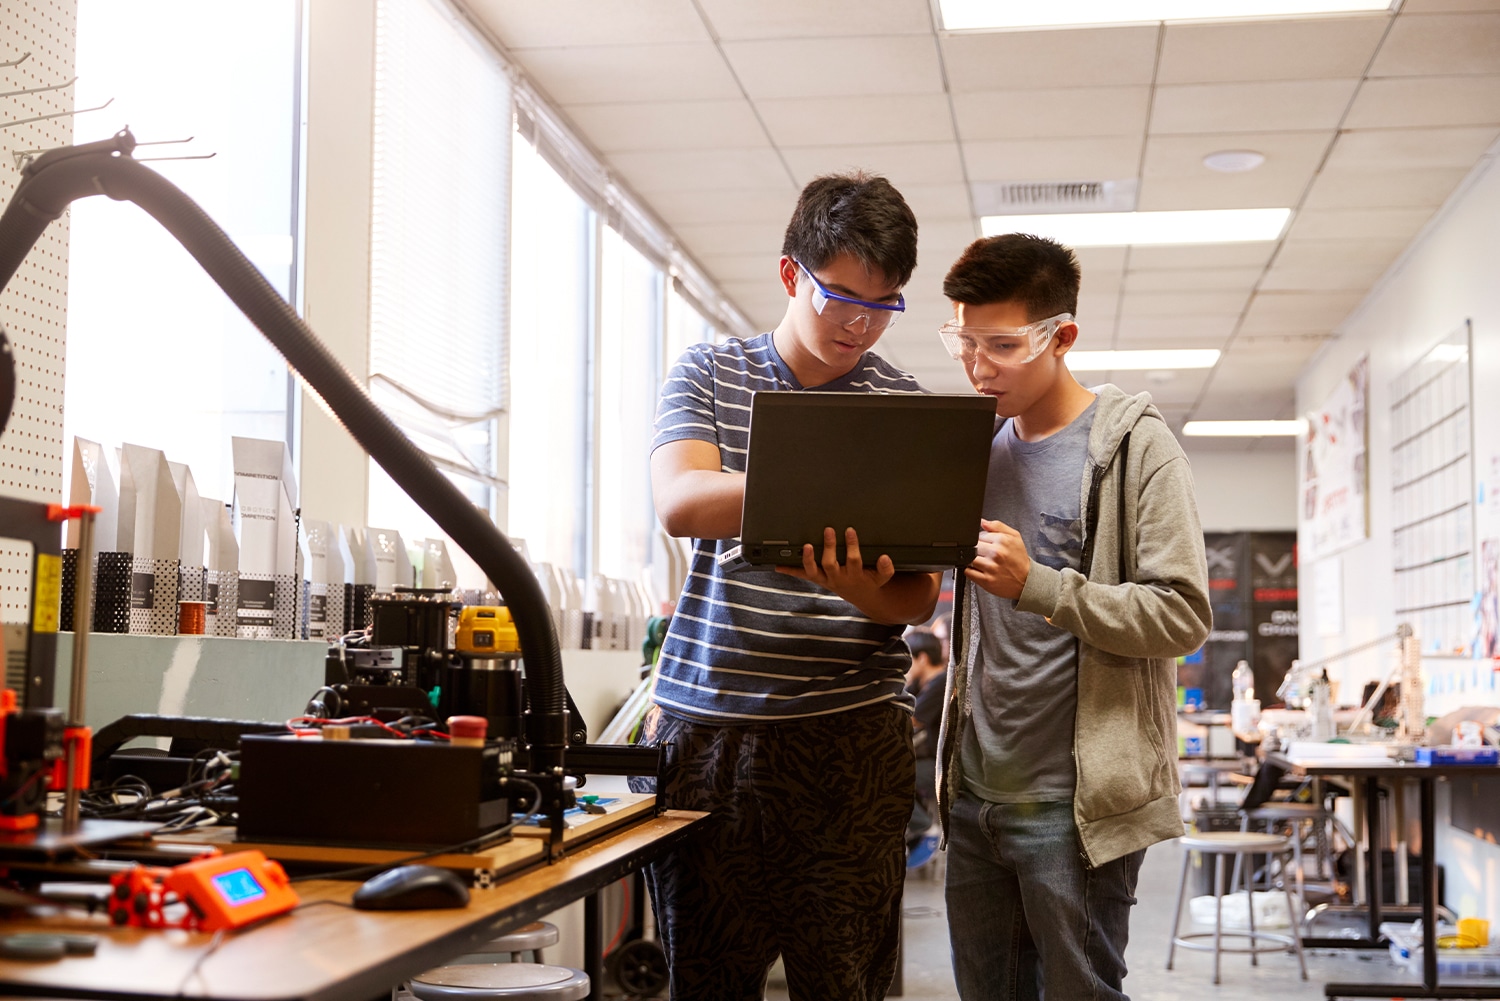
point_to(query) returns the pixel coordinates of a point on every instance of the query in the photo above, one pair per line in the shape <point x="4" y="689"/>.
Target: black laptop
<point x="906" y="471"/>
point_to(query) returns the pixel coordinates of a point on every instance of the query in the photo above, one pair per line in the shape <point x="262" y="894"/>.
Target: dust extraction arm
<point x="54" y="180"/>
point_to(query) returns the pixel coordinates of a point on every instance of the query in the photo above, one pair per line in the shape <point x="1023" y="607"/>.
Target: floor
<point x="928" y="976"/>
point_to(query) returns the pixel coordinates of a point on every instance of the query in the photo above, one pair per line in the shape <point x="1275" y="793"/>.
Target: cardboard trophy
<point x="156" y="542"/>
<point x="265" y="502"/>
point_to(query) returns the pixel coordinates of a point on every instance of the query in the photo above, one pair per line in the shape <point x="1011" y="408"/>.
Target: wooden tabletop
<point x="326" y="952"/>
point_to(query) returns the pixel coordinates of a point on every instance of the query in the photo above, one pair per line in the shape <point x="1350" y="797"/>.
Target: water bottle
<point x="1322" y="709"/>
<point x="1243" y="680"/>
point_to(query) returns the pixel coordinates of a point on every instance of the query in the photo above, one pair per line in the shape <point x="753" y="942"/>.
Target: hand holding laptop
<point x="878" y="592"/>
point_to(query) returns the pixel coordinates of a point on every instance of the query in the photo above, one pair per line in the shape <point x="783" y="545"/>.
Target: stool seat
<point x="500" y="982"/>
<point x="527" y="938"/>
<point x="1233" y="842"/>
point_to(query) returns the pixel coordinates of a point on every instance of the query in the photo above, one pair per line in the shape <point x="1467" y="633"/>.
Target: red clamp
<point x="58" y="512"/>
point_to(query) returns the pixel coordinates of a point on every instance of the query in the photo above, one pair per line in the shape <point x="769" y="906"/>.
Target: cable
<point x="192" y="972"/>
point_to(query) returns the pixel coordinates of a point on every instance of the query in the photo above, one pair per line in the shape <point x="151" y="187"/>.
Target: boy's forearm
<point x="702" y="504"/>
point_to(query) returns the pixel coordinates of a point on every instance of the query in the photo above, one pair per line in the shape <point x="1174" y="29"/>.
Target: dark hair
<point x="920" y="641"/>
<point x="1039" y="273"/>
<point x="856" y="213"/>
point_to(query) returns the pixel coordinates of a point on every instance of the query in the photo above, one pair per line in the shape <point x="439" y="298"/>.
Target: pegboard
<point x="33" y="308"/>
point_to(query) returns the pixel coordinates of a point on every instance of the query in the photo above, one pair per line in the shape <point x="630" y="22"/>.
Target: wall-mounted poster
<point x="1335" y="471"/>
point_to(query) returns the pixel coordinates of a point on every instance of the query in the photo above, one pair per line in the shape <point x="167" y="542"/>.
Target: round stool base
<point x="500" y="981"/>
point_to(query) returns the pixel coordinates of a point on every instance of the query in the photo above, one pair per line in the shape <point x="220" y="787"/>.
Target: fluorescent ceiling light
<point x="1121" y="361"/>
<point x="1123" y="229"/>
<point x="1244" y="429"/>
<point x="979" y="15"/>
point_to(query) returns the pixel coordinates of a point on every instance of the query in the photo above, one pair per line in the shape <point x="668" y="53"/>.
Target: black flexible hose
<point x="53" y="181"/>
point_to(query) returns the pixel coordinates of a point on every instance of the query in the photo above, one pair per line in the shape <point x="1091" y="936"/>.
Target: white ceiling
<point x="716" y="112"/>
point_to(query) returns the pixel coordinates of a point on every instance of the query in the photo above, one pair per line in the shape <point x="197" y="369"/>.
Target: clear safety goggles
<point x="843" y="310"/>
<point x="1001" y="345"/>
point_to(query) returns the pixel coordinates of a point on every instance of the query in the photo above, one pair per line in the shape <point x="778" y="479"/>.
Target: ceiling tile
<point x="1297" y="312"/>
<point x="1300" y="49"/>
<point x="836" y="67"/>
<point x="1341" y="188"/>
<point x="1053" y="159"/>
<point x="1016" y="60"/>
<point x="1328" y="275"/>
<point x="1039" y="114"/>
<point x="1194" y="280"/>
<point x="591" y="22"/>
<point x="1358" y="224"/>
<point x="1393" y="102"/>
<point x="744" y="268"/>
<point x="1175" y="331"/>
<point x="734" y="238"/>
<point x="895" y="118"/>
<point x="1399" y="149"/>
<point x="858" y="120"/>
<point x="1301" y="253"/>
<point x="611" y="73"/>
<point x="1270" y="106"/>
<point x="947" y="234"/>
<point x="1097" y="305"/>
<point x="669" y="125"/>
<point x="1092" y="259"/>
<point x="700" y="170"/>
<point x="1169" y="389"/>
<point x="938" y="201"/>
<point x="1289" y="155"/>
<point x="680" y="207"/>
<point x="1253" y="190"/>
<point x="902" y="163"/>
<point x="735" y="19"/>
<point x="1444" y="6"/>
<point x="1152" y="303"/>
<point x="1440" y="45"/>
<point x="1220" y="255"/>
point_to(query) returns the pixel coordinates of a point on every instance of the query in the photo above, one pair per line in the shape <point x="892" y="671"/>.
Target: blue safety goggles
<point x="843" y="310"/>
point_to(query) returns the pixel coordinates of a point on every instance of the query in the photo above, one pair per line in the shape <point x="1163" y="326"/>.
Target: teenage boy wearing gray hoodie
<point x="1056" y="762"/>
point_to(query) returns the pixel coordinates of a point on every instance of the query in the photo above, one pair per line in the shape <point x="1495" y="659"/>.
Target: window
<point x="157" y="355"/>
<point x="686" y="326"/>
<point x="630" y="323"/>
<point x="551" y="314"/>
<point x="438" y="248"/>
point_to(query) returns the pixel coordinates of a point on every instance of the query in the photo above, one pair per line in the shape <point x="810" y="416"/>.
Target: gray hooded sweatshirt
<point x="1140" y="601"/>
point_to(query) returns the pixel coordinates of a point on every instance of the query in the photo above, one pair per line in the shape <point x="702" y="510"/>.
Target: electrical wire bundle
<point x="405" y="728"/>
<point x="204" y="799"/>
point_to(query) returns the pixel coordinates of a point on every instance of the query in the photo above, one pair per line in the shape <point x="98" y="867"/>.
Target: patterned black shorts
<point x="805" y="858"/>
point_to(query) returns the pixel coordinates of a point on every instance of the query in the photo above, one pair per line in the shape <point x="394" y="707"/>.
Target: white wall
<point x="1245" y="491"/>
<point x="1447" y="276"/>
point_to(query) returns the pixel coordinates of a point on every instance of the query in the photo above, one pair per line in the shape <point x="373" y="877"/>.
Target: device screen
<point x="238" y="887"/>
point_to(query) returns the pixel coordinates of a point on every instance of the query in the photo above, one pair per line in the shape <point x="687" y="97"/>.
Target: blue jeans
<point x="1027" y="917"/>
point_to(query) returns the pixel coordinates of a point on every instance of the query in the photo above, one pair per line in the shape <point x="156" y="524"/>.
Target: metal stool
<point x="532" y="938"/>
<point x="1295" y="814"/>
<point x="500" y="982"/>
<point x="1218" y="845"/>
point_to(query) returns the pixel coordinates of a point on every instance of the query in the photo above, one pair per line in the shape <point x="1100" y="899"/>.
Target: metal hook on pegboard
<point x="40" y="90"/>
<point x="24" y="156"/>
<point x="60" y="114"/>
<point x="15" y="62"/>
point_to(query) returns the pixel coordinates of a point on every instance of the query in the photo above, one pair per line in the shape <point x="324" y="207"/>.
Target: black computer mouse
<point x="412" y="888"/>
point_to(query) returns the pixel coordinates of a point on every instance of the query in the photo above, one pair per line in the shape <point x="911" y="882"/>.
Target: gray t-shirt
<point x="1019" y="748"/>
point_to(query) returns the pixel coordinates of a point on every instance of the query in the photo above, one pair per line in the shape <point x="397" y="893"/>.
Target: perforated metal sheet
<point x="33" y="308"/>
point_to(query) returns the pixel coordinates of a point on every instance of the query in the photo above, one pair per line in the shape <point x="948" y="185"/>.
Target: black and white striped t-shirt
<point x="758" y="645"/>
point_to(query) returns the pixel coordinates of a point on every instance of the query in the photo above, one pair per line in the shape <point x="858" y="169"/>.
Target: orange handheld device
<point x="231" y="891"/>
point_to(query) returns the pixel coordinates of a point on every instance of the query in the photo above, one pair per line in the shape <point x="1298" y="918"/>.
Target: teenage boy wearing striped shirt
<point x="779" y="698"/>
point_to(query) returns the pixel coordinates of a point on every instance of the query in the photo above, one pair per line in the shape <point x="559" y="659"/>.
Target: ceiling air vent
<point x="1041" y="197"/>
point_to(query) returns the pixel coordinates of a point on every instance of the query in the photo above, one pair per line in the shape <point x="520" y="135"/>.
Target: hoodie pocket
<point x="1118" y="758"/>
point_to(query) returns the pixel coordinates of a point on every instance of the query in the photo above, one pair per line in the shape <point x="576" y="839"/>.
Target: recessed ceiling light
<point x="998" y="15"/>
<point x="1122" y="229"/>
<point x="1135" y="361"/>
<point x="1234" y="161"/>
<point x="1244" y="429"/>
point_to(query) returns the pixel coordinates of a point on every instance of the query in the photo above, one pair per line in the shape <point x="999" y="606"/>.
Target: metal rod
<point x="60" y="114"/>
<point x="82" y="616"/>
<point x="40" y="90"/>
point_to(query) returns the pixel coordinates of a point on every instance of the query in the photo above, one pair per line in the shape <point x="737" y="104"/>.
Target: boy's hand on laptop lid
<point x="1002" y="563"/>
